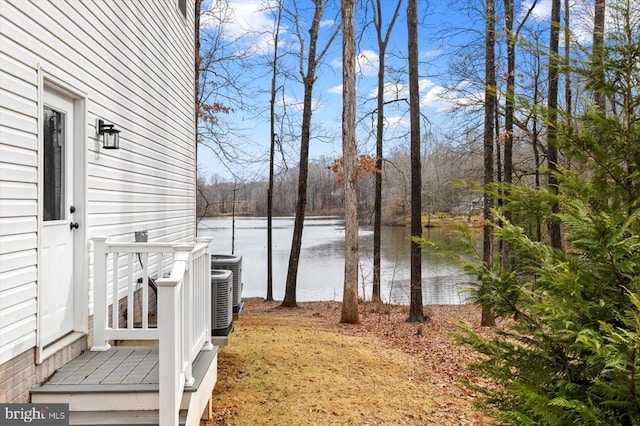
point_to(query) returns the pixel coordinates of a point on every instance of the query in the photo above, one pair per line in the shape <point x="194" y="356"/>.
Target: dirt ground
<point x="302" y="367"/>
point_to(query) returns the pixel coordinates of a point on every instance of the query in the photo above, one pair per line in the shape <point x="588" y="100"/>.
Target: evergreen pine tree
<point x="571" y="353"/>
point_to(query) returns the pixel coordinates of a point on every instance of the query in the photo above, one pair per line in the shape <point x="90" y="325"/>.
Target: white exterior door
<point x="56" y="241"/>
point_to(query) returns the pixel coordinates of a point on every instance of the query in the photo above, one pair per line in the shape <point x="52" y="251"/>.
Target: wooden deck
<point x="118" y="369"/>
<point x="120" y="379"/>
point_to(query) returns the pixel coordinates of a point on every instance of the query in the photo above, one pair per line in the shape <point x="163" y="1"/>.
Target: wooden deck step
<point x="117" y="418"/>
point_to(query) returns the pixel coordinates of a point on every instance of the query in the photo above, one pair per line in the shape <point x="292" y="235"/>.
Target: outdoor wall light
<point x="110" y="136"/>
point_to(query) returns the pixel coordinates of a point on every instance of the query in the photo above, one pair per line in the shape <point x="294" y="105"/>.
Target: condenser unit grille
<point x="222" y="293"/>
<point x="234" y="264"/>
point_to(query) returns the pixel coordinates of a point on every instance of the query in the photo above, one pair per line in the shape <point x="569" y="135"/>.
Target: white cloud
<point x="398" y="90"/>
<point x="444" y="99"/>
<point x="250" y="23"/>
<point x="425" y="84"/>
<point x="471" y="100"/>
<point x="395" y="122"/>
<point x="327" y="23"/>
<point x="239" y="16"/>
<point x="542" y="11"/>
<point x="581" y="17"/>
<point x="298" y="104"/>
<point x="336" y="89"/>
<point x="252" y="15"/>
<point x="434" y="53"/>
<point x="392" y="123"/>
<point x="463" y="94"/>
<point x="392" y="90"/>
<point x="435" y="97"/>
<point x="289" y="102"/>
<point x="463" y="84"/>
<point x="367" y="63"/>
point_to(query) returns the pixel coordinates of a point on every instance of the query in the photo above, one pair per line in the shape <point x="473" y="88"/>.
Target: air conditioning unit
<point x="231" y="263"/>
<point x="222" y="302"/>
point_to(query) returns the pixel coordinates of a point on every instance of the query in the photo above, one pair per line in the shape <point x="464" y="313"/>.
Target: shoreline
<point x="475" y="221"/>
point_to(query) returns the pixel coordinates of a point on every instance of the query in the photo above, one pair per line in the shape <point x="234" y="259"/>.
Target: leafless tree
<point x="221" y="88"/>
<point x="416" y="312"/>
<point x="552" y="120"/>
<point x="508" y="120"/>
<point x="272" y="150"/>
<point x="349" y="153"/>
<point x="308" y="75"/>
<point x="383" y="41"/>
<point x="598" y="52"/>
<point x="568" y="93"/>
<point x="512" y="38"/>
<point x="489" y="113"/>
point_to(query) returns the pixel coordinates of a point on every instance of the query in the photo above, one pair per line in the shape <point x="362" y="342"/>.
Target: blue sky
<point x="250" y="25"/>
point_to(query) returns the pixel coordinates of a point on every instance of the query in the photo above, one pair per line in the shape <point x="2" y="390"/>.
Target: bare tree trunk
<point x="303" y="170"/>
<point x="489" y="113"/>
<point x="508" y="124"/>
<point x="416" y="313"/>
<point x="552" y="121"/>
<point x="597" y="55"/>
<point x="568" y="95"/>
<point x="505" y="174"/>
<point x="377" y="206"/>
<point x="630" y="103"/>
<point x="534" y="137"/>
<point x="272" y="148"/>
<point x="349" y="154"/>
<point x="377" y="202"/>
<point x="497" y="171"/>
<point x="597" y="67"/>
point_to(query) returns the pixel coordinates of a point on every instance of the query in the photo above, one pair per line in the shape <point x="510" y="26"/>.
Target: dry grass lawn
<point x="301" y="367"/>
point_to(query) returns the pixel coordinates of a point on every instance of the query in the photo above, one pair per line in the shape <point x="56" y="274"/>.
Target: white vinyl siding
<point x="134" y="62"/>
<point x="18" y="201"/>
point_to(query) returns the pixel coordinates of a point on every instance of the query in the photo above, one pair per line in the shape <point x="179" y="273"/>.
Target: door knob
<point x="74" y="225"/>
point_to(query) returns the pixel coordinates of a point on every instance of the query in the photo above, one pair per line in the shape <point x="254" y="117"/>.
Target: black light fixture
<point x="110" y="136"/>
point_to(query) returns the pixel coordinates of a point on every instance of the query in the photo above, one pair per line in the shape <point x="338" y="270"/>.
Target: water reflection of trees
<point x="322" y="260"/>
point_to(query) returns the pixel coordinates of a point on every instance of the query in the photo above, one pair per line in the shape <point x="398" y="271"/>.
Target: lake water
<point x="321" y="268"/>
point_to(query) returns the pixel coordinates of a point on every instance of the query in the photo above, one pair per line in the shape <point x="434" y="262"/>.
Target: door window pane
<point x="54" y="136"/>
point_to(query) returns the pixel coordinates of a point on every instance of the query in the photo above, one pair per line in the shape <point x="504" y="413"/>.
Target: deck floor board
<point x="120" y="369"/>
<point x="106" y="368"/>
<point x="126" y="365"/>
<point x="153" y="376"/>
<point x="82" y="367"/>
<point x="144" y="369"/>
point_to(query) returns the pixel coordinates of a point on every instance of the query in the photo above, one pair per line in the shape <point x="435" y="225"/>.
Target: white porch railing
<point x="122" y="271"/>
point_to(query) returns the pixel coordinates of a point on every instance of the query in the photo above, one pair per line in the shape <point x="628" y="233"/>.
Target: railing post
<point x="185" y="302"/>
<point x="208" y="306"/>
<point x="100" y="342"/>
<point x="170" y="327"/>
<point x="170" y="372"/>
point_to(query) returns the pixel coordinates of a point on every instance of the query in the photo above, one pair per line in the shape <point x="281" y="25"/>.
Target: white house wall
<point x="130" y="59"/>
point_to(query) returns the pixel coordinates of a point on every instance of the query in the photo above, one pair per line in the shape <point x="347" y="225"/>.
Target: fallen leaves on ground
<point x="301" y="366"/>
